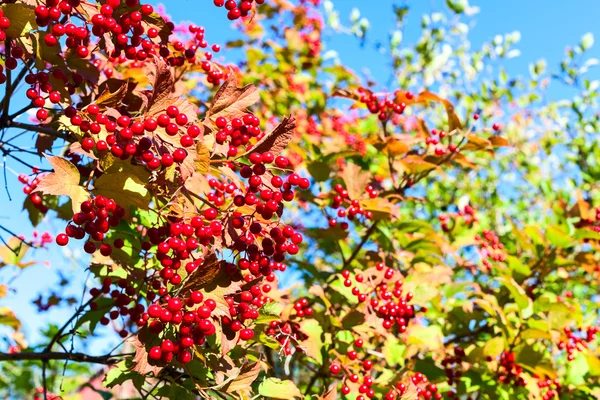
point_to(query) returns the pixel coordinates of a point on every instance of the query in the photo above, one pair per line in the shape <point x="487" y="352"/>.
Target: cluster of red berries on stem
<point x="237" y="9"/>
<point x="95" y="219"/>
<point x="491" y="249"/>
<point x="551" y="388"/>
<point x="126" y="137"/>
<point x="509" y="372"/>
<point x="577" y="340"/>
<point x="29" y="188"/>
<point x="452" y="365"/>
<point x="384" y="108"/>
<point x="434" y="140"/>
<point x="348" y="208"/>
<point x="288" y="334"/>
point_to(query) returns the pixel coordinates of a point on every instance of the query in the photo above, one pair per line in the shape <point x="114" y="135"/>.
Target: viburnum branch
<point x="363" y="241"/>
<point x="42" y="129"/>
<point x="45" y="356"/>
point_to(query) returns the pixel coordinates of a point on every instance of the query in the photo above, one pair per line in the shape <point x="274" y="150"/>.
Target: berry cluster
<point x="467" y="214"/>
<point x="452" y="365"/>
<point x="551" y="389"/>
<point x="288" y="334"/>
<point x="29" y="188"/>
<point x="238" y="9"/>
<point x="434" y="140"/>
<point x="347" y="207"/>
<point x="385" y="108"/>
<point x="95" y="219"/>
<point x="178" y="324"/>
<point x="509" y="372"/>
<point x="577" y="340"/>
<point x="125" y="137"/>
<point x="490" y="248"/>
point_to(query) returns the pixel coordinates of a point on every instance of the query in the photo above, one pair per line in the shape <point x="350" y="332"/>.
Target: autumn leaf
<point x="277" y="140"/>
<point x="475" y="143"/>
<point x="204" y="274"/>
<point x="498" y="141"/>
<point x="126" y="185"/>
<point x="8" y="318"/>
<point x="230" y="101"/>
<point x="21" y="17"/>
<point x="141" y="364"/>
<point x="416" y="165"/>
<point x="248" y="374"/>
<point x="64" y="181"/>
<point x="12" y="253"/>
<point x="331" y="394"/>
<point x="111" y="97"/>
<point x="355" y="179"/>
<point x="275" y="388"/>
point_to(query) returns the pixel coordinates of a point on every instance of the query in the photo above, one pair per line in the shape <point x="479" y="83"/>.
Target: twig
<point x="361" y="244"/>
<point x="46" y="356"/>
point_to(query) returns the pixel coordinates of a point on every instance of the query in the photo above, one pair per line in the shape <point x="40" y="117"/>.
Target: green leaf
<point x="21" y="17"/>
<point x="269" y="312"/>
<point x="577" y="369"/>
<point x="458" y="6"/>
<point x="561" y="315"/>
<point x="558" y="237"/>
<point x="319" y="170"/>
<point x="535" y="360"/>
<point x="275" y="388"/>
<point x="313" y="345"/>
<point x="126" y="185"/>
<point x="518" y="293"/>
<point x="494" y="347"/>
<point x="517" y="266"/>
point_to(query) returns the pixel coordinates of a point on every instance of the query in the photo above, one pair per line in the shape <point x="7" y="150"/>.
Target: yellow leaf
<point x="21" y="17"/>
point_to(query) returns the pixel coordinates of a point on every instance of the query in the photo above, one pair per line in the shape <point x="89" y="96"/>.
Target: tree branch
<point x="41" y="129"/>
<point x="46" y="356"/>
<point x="361" y="244"/>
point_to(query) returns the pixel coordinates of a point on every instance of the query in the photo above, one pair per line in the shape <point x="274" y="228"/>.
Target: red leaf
<point x="277" y="140"/>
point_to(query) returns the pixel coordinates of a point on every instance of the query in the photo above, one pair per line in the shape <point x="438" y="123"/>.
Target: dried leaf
<point x="112" y="97"/>
<point x="64" y="181"/>
<point x="230" y="101"/>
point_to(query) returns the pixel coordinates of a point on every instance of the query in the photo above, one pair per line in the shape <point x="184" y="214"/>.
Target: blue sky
<point x="546" y="27"/>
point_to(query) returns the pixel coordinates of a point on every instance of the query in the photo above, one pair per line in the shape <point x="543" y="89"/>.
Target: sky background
<point x="546" y="28"/>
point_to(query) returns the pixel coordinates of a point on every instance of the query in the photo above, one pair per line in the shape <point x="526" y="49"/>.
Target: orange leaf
<point x="64" y="181"/>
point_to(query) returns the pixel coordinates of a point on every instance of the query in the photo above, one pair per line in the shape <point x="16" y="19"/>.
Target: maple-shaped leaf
<point x="141" y="363"/>
<point x="231" y="101"/>
<point x="277" y="140"/>
<point x="64" y="181"/>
